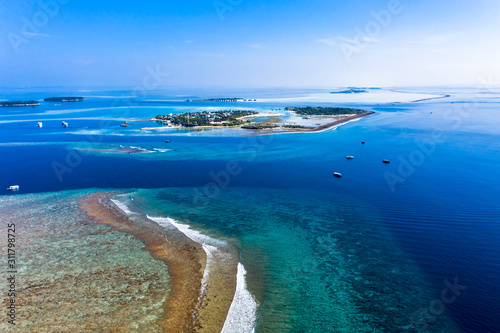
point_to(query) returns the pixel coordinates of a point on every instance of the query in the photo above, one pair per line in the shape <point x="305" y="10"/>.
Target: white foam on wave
<point x="124" y="207"/>
<point x="210" y="245"/>
<point x="242" y="314"/>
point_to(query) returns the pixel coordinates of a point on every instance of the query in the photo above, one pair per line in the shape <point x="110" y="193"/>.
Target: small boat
<point x="65" y="124"/>
<point x="362" y="142"/>
<point x="350" y="157"/>
<point x="13" y="188"/>
<point x="123" y="125"/>
<point x="167" y="141"/>
<point x="126" y="123"/>
<point x="39" y="124"/>
<point x="337" y="174"/>
<point x="386" y="161"/>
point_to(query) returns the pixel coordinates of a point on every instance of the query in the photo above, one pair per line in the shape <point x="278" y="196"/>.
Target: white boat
<point x="337" y="174"/>
<point x="65" y="124"/>
<point x="13" y="188"/>
<point x="39" y="124"/>
<point x="350" y="157"/>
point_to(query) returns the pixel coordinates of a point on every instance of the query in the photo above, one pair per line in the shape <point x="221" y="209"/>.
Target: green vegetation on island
<point x="19" y="103"/>
<point x="294" y="126"/>
<point x="325" y="111"/>
<point x="64" y="99"/>
<point x="206" y="118"/>
<point x="350" y="91"/>
<point x="231" y="99"/>
<point x="259" y="126"/>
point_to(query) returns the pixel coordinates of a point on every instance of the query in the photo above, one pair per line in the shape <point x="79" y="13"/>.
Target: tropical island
<point x="299" y="119"/>
<point x="19" y="103"/>
<point x="64" y="99"/>
<point x="350" y="91"/>
<point x="325" y="111"/>
<point x="206" y="118"/>
<point x="230" y="99"/>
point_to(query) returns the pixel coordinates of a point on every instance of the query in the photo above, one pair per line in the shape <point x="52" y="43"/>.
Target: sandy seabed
<point x="85" y="266"/>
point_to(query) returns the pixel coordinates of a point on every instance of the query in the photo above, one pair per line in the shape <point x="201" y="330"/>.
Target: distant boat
<point x="362" y="142"/>
<point x="13" y="188"/>
<point x="337" y="174"/>
<point x="65" y="124"/>
<point x="123" y="125"/>
<point x="386" y="161"/>
<point x="39" y="124"/>
<point x="167" y="141"/>
<point x="350" y="157"/>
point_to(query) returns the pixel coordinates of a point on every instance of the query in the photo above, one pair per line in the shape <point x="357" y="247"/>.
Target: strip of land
<point x="320" y="128"/>
<point x="19" y="103"/>
<point x="263" y="123"/>
<point x="190" y="307"/>
<point x="184" y="258"/>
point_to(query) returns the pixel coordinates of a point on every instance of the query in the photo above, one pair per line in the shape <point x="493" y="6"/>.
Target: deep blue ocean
<point x="408" y="246"/>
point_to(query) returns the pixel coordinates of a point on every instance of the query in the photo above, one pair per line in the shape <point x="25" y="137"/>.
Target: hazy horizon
<point x="243" y="44"/>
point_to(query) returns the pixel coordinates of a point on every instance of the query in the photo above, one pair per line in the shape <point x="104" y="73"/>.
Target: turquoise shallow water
<point x="314" y="263"/>
<point x="368" y="252"/>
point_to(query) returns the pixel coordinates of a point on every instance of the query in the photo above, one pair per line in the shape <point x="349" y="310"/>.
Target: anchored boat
<point x="337" y="174"/>
<point x="350" y="157"/>
<point x="13" y="188"/>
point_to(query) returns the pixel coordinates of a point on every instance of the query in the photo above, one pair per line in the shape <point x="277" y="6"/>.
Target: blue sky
<point x="243" y="43"/>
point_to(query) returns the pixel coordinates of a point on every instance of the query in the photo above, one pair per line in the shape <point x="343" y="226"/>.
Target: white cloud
<point x="255" y="46"/>
<point x="36" y="34"/>
<point x="341" y="40"/>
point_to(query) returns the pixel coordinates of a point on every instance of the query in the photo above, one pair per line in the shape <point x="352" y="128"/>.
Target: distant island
<point x="350" y="91"/>
<point x="19" y="103"/>
<point x="231" y="99"/>
<point x="206" y="118"/>
<point x="64" y="99"/>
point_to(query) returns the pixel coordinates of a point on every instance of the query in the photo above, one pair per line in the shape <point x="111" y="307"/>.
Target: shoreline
<point x="269" y="131"/>
<point x="203" y="283"/>
<point x="180" y="306"/>
<point x="417" y="100"/>
<point x="431" y="98"/>
<point x="318" y="129"/>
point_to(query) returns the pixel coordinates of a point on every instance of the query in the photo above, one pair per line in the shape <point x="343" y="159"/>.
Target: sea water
<point x="373" y="251"/>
